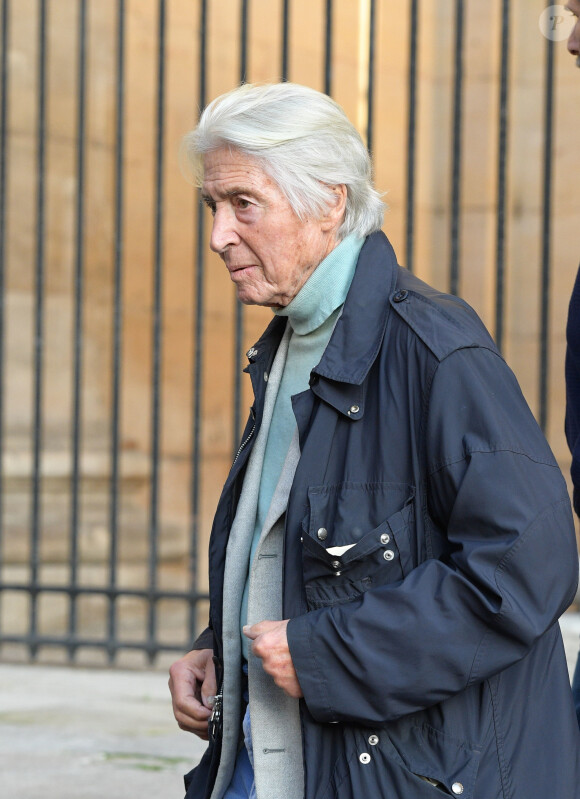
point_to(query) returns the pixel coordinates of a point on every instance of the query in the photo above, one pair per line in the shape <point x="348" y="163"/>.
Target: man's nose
<point x="223" y="232"/>
<point x="574" y="40"/>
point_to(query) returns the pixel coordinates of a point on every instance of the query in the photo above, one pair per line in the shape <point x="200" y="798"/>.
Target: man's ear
<point x="336" y="208"/>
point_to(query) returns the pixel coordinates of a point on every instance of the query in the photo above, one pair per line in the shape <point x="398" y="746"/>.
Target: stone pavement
<point x="78" y="733"/>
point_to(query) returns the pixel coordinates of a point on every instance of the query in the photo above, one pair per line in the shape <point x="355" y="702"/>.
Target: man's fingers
<point x="271" y="646"/>
<point x="193" y="718"/>
<point x="254" y="630"/>
<point x="251" y="632"/>
<point x="209" y="688"/>
<point x="191" y="681"/>
<point x="191" y="715"/>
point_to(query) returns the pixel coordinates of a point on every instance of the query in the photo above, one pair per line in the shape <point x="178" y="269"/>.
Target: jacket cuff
<point x="204" y="640"/>
<point x="310" y="675"/>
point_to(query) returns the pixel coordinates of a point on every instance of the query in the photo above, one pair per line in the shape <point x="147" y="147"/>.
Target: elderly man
<point x="394" y="542"/>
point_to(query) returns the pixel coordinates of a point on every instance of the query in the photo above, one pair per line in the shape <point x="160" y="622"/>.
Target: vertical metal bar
<point x="117" y="327"/>
<point x="285" y="38"/>
<point x="546" y="234"/>
<point x="502" y="176"/>
<point x="244" y="41"/>
<point x="411" y="135"/>
<point x="157" y="334"/>
<point x="371" y="81"/>
<point x="456" y="158"/>
<point x="3" y="231"/>
<point x="328" y="49"/>
<point x="38" y="321"/>
<point x="198" y="348"/>
<point x="239" y="319"/>
<point x="78" y="324"/>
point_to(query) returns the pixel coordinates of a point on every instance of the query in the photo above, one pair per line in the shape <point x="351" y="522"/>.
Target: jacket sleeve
<point x="572" y="425"/>
<point x="204" y="640"/>
<point x="495" y="492"/>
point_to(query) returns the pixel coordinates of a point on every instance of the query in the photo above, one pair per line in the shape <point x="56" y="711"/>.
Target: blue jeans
<point x="242" y="785"/>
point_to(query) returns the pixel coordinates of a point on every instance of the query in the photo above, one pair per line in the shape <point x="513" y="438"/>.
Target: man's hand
<point x="270" y="643"/>
<point x="193" y="686"/>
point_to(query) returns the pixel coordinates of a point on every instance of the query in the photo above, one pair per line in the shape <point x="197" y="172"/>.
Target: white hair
<point x="303" y="140"/>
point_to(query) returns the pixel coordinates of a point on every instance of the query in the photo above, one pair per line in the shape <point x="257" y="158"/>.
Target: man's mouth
<point x="239" y="270"/>
<point x="238" y="267"/>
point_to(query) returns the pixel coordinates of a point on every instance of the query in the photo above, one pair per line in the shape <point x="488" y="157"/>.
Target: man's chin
<point x="245" y="300"/>
<point x="248" y="298"/>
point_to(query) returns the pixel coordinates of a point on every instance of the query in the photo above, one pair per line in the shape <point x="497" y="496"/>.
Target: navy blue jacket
<point x="429" y="653"/>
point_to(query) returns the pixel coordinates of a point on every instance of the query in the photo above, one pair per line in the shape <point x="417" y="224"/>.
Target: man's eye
<point x="242" y="204"/>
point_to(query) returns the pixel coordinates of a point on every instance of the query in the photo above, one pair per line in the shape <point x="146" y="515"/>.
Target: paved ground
<point x="91" y="734"/>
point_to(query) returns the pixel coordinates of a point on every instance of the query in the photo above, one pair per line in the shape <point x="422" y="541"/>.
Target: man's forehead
<point x="228" y="172"/>
<point x="224" y="161"/>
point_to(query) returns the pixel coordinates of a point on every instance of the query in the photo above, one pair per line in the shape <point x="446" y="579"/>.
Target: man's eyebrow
<point x="233" y="192"/>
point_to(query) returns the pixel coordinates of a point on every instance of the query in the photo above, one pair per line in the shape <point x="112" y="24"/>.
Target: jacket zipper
<point x="243" y="444"/>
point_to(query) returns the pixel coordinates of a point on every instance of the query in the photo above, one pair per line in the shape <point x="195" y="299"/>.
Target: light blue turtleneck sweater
<point x="312" y="315"/>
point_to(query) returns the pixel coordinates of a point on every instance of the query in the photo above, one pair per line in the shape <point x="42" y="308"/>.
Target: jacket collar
<point x="359" y="331"/>
<point x="339" y="378"/>
<point x="355" y="342"/>
<point x="264" y="350"/>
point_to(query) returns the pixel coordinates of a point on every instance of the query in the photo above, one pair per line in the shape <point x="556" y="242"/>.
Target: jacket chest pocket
<point x="356" y="537"/>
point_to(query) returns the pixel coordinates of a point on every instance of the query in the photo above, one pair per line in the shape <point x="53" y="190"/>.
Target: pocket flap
<point x="436" y="757"/>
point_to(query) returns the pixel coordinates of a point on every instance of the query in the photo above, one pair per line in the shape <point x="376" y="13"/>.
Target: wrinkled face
<point x="267" y="250"/>
<point x="574" y="40"/>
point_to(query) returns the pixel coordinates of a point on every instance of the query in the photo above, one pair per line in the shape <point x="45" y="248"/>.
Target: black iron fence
<point x="73" y="602"/>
